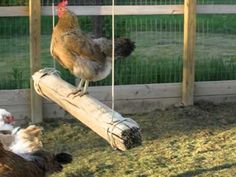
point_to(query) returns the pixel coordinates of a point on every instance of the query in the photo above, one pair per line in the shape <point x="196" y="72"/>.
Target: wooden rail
<point x="130" y="99"/>
<point x="123" y="10"/>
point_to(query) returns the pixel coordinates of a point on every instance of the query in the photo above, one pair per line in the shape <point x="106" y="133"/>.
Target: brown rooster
<point x="41" y="163"/>
<point x="87" y="58"/>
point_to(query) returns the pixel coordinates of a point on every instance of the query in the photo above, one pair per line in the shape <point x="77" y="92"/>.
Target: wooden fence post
<point x="35" y="64"/>
<point x="189" y="51"/>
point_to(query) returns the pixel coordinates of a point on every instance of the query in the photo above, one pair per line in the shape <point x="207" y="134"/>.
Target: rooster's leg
<point x="79" y="91"/>
<point x="85" y="91"/>
<point x="81" y="83"/>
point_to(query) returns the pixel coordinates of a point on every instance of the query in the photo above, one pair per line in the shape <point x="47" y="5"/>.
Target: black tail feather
<point x="124" y="47"/>
<point x="63" y="158"/>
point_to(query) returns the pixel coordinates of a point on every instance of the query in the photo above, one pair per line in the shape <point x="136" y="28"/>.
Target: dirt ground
<point x="193" y="141"/>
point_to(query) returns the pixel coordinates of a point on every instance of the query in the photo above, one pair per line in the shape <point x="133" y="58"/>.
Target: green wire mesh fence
<point x="159" y="45"/>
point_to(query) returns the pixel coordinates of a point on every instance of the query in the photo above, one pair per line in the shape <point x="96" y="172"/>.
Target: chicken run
<point x="180" y="134"/>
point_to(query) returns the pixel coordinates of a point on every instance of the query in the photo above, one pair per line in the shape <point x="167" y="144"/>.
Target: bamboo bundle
<point x="122" y="133"/>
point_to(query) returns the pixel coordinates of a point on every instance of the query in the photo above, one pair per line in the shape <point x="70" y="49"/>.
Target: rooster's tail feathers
<point x="124" y="47"/>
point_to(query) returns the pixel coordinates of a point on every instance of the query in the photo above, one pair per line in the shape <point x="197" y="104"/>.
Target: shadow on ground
<point x="172" y="121"/>
<point x="205" y="170"/>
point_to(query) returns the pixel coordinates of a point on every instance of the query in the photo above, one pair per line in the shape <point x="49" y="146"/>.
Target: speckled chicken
<point x="87" y="58"/>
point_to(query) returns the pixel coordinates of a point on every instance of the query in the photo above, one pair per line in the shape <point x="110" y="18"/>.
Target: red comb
<point x="64" y="3"/>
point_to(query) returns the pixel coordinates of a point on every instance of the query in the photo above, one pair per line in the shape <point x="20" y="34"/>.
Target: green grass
<point x="156" y="59"/>
<point x="211" y="23"/>
<point x="178" y="142"/>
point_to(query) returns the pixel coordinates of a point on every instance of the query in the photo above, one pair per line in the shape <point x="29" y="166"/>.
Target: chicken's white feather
<point x="26" y="140"/>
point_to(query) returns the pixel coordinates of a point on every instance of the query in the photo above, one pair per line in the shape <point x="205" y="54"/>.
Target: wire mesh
<point x="215" y="47"/>
<point x="159" y="45"/>
<point x="155" y="37"/>
<point x="216" y="2"/>
<point x="14" y="52"/>
<point x="117" y="2"/>
<point x="14" y="2"/>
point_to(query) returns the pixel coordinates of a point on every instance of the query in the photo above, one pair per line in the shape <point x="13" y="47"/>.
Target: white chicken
<point x="6" y="120"/>
<point x="27" y="140"/>
<point x="19" y="140"/>
<point x="22" y="153"/>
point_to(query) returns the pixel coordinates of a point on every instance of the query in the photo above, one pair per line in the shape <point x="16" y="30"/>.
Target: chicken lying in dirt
<point x="18" y="140"/>
<point x="22" y="153"/>
<point x="40" y="163"/>
<point x="88" y="59"/>
<point x="26" y="140"/>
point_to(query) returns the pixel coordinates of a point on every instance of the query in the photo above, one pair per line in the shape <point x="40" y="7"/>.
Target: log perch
<point x="122" y="133"/>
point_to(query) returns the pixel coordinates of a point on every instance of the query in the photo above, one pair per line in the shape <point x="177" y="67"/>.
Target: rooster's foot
<point x="77" y="92"/>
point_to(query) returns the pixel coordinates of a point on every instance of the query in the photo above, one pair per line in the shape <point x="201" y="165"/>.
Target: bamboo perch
<point x="122" y="133"/>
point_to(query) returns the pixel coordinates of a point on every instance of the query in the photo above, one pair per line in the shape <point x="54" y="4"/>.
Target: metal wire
<point x="53" y="25"/>
<point x="156" y="59"/>
<point x="113" y="58"/>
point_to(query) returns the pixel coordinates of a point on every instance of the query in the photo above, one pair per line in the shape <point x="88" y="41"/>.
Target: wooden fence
<point x="129" y="99"/>
<point x="11" y="11"/>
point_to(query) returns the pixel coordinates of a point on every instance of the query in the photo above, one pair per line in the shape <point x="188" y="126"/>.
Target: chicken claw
<point x="77" y="92"/>
<point x="81" y="90"/>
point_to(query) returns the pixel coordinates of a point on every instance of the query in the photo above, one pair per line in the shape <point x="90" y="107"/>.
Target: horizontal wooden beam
<point x="216" y="9"/>
<point x="130" y="99"/>
<point x="122" y="10"/>
<point x="12" y="11"/>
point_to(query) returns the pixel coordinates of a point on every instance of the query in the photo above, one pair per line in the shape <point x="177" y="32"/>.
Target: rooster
<point x="86" y="58"/>
<point x="6" y="121"/>
<point x="40" y="164"/>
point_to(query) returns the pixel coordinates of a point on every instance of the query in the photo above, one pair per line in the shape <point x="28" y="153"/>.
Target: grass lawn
<point x="178" y="142"/>
<point x="156" y="59"/>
